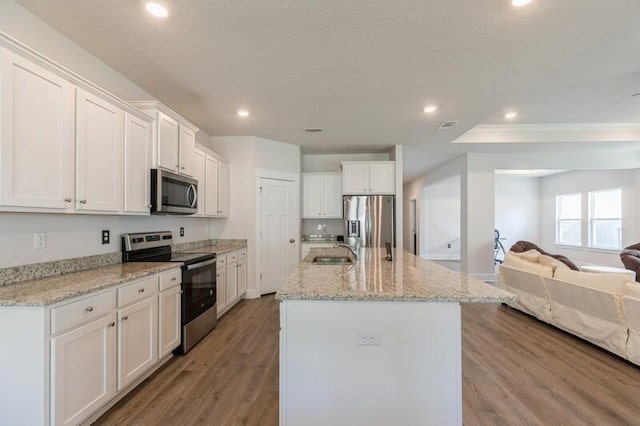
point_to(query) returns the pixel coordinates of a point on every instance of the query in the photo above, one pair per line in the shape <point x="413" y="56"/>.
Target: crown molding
<point x="552" y="133"/>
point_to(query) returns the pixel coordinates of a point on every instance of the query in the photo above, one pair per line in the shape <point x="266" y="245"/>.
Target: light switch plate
<point x="106" y="237"/>
<point x="40" y="240"/>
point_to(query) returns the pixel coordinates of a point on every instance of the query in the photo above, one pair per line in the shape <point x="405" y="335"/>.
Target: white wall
<point x="331" y="162"/>
<point x="583" y="182"/>
<point x="440" y="220"/>
<point x="249" y="157"/>
<point x="76" y="235"/>
<point x="517" y="214"/>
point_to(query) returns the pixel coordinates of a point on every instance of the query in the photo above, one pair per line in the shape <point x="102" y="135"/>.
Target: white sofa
<point x="603" y="308"/>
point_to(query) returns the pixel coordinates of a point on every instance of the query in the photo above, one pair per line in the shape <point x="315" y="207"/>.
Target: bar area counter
<point x="373" y="341"/>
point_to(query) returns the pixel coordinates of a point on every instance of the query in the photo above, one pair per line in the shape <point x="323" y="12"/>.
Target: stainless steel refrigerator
<point x="369" y="219"/>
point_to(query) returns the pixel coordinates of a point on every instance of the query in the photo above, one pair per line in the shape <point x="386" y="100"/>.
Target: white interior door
<point x="279" y="239"/>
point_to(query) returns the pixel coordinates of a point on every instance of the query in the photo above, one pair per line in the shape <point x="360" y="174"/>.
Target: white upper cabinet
<point x="36" y="136"/>
<point x="167" y="145"/>
<point x="321" y="195"/>
<point x="211" y="187"/>
<point x="137" y="163"/>
<point x="199" y="158"/>
<point x="99" y="154"/>
<point x="173" y="146"/>
<point x="224" y="189"/>
<point x="187" y="150"/>
<point x="368" y="177"/>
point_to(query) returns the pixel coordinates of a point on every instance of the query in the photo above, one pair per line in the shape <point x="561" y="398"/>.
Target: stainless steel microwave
<point x="172" y="193"/>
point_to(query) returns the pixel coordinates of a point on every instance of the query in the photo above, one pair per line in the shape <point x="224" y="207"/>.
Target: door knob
<point x="292" y="241"/>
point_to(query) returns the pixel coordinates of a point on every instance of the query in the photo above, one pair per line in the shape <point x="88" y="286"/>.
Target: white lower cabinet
<point x="83" y="370"/>
<point x="231" y="279"/>
<point x="92" y="349"/>
<point x="169" y="321"/>
<point x="221" y="284"/>
<point x="137" y="340"/>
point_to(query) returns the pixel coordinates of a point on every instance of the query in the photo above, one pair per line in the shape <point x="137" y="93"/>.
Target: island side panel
<point x="412" y="378"/>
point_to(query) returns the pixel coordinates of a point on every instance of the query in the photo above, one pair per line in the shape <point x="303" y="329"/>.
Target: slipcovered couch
<point x="603" y="308"/>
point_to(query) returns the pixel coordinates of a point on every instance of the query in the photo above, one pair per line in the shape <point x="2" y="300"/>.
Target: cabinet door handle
<point x="89" y="309"/>
<point x="182" y="168"/>
<point x="141" y="290"/>
<point x="292" y="241"/>
<point x="83" y="201"/>
<point x="67" y="200"/>
<point x="112" y="324"/>
<point x="149" y="206"/>
<point x="173" y="278"/>
<point x="124" y="318"/>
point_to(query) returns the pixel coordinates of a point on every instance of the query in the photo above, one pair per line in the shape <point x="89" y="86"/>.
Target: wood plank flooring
<point x="516" y="370"/>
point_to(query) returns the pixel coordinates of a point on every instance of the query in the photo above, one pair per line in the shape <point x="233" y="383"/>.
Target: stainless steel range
<point x="199" y="308"/>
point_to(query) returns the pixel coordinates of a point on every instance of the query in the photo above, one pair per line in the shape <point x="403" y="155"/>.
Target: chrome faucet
<point x="337" y="245"/>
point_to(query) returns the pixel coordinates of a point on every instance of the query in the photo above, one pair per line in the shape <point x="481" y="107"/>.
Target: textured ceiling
<point x="362" y="70"/>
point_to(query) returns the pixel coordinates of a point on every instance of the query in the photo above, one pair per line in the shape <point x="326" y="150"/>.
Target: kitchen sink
<point x="331" y="260"/>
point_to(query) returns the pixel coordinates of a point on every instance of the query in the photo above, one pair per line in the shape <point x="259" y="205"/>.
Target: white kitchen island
<point x="374" y="342"/>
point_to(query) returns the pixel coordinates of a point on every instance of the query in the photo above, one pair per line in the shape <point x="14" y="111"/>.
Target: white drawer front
<point x="80" y="311"/>
<point x="137" y="291"/>
<point x="170" y="279"/>
<point x="242" y="253"/>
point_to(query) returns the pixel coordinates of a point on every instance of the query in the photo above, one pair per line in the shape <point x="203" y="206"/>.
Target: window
<point x="605" y="219"/>
<point x="569" y="219"/>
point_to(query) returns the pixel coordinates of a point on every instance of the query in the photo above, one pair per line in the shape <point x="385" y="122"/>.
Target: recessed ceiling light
<point x="243" y="113"/>
<point x="429" y="109"/>
<point x="157" y="10"/>
<point x="518" y="3"/>
<point x="511" y="115"/>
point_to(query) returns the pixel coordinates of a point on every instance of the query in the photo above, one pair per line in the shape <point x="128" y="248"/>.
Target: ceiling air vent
<point x="313" y="130"/>
<point x="448" y="124"/>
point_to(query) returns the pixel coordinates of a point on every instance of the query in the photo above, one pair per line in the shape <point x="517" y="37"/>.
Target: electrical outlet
<point x="449" y="245"/>
<point x="105" y="236"/>
<point x="40" y="240"/>
<point x="369" y="338"/>
<point x="182" y="232"/>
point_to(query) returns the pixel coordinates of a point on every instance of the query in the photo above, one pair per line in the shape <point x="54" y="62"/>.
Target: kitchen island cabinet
<point x="374" y="342"/>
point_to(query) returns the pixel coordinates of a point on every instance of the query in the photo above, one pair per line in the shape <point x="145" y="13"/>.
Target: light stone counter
<point x="46" y="291"/>
<point x="221" y="247"/>
<point x="406" y="278"/>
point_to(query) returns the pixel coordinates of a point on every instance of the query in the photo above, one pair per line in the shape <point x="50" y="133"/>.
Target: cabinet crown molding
<point x="45" y="62"/>
<point x="159" y="106"/>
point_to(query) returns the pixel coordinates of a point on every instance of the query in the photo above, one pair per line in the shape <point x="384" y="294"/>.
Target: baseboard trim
<point x="488" y="278"/>
<point x="441" y="257"/>
<point x="252" y="294"/>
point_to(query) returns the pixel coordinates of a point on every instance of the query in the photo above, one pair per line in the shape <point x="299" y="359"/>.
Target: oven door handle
<point x="201" y="264"/>
<point x="192" y="189"/>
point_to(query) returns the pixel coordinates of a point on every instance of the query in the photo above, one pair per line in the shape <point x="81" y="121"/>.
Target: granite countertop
<point x="49" y="290"/>
<point x="407" y="278"/>
<point x="319" y="239"/>
<point x="221" y="247"/>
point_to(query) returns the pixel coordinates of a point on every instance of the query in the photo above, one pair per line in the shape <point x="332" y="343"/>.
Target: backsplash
<point x="14" y="274"/>
<point x="34" y="271"/>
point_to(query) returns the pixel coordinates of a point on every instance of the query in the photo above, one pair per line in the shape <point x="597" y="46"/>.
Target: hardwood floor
<point x="516" y="370"/>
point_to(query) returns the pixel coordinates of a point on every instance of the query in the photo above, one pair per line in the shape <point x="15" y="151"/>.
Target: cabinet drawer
<point x="80" y="311"/>
<point x="242" y="253"/>
<point x="170" y="279"/>
<point x="221" y="262"/>
<point x="137" y="291"/>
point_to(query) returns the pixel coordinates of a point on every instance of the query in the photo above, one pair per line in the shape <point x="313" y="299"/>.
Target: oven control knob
<point x="210" y="292"/>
